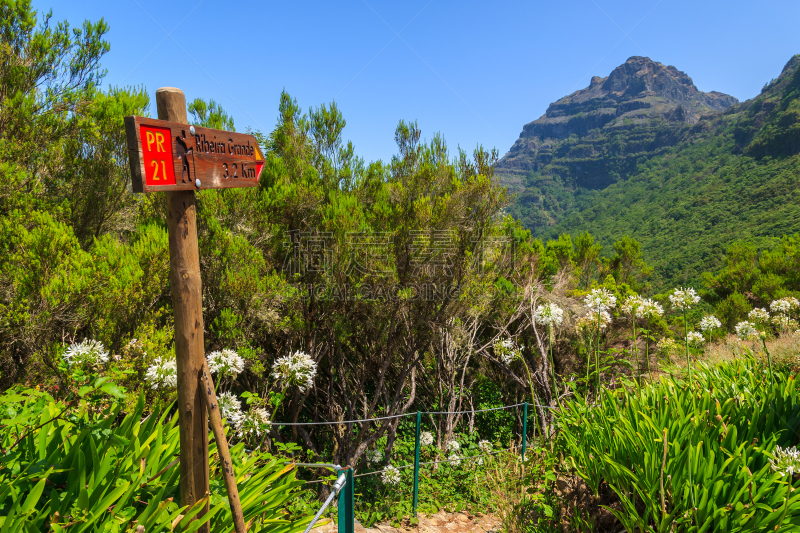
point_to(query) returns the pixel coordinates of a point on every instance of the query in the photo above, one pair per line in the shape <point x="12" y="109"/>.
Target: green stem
<point x="588" y="363"/>
<point x="533" y="397"/>
<point x="647" y="350"/>
<point x="636" y="353"/>
<point x="686" y="341"/>
<point x="597" y="356"/>
<point x="552" y="365"/>
<point x="769" y="360"/>
<point x="691" y="391"/>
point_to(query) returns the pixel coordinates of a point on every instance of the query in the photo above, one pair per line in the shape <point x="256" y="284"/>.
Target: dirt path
<point x="441" y="522"/>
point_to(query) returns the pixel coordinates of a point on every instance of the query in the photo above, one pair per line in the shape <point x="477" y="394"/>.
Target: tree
<point x="210" y="115"/>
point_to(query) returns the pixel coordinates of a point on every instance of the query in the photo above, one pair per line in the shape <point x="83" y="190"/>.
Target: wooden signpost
<point x="171" y="156"/>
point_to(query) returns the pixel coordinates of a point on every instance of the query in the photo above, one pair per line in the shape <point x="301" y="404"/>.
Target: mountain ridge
<point x="685" y="190"/>
<point x="637" y="92"/>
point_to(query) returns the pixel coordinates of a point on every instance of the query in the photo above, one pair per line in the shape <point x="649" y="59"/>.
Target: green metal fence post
<point x="416" y="463"/>
<point x="346" y="508"/>
<point x="524" y="428"/>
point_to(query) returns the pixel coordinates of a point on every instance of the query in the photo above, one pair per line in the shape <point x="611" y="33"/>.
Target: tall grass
<point x="671" y="444"/>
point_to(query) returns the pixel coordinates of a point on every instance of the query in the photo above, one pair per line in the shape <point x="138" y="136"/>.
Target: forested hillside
<point x="731" y="175"/>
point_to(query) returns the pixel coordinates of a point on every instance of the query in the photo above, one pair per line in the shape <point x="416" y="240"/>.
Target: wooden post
<point x="184" y="276"/>
<point x="225" y="461"/>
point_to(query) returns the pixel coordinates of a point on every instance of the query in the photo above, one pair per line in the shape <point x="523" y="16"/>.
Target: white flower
<point x="506" y="351"/>
<point x="88" y="352"/>
<point x="226" y="362"/>
<point x="590" y="321"/>
<point x="485" y="446"/>
<point x="426" y="438"/>
<point x="254" y="422"/>
<point x="759" y="314"/>
<point x="667" y="345"/>
<point x="695" y="337"/>
<point x="391" y="475"/>
<point x="632" y="305"/>
<point x="230" y="408"/>
<point x="683" y="298"/>
<point x="548" y="315"/>
<point x="453" y="446"/>
<point x="650" y="309"/>
<point x="784" y="305"/>
<point x="163" y="373"/>
<point x="599" y="300"/>
<point x="746" y="331"/>
<point x="710" y="322"/>
<point x="295" y="369"/>
<point x="454" y="459"/>
<point x="784" y="322"/>
<point x="786" y="461"/>
<point x="374" y="456"/>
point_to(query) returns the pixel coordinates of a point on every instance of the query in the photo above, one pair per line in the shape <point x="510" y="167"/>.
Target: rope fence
<point x="346" y="476"/>
<point x="465" y="458"/>
<point x="391" y="417"/>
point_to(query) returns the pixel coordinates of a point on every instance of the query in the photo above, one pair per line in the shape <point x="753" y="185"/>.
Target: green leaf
<point x="33" y="496"/>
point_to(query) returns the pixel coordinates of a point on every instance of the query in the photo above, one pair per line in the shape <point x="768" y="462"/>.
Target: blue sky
<point x="474" y="71"/>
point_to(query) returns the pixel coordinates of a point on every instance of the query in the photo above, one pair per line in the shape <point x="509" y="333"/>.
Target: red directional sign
<point x="168" y="156"/>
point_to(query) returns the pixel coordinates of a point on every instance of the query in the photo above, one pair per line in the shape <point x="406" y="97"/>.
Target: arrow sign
<point x="169" y="156"/>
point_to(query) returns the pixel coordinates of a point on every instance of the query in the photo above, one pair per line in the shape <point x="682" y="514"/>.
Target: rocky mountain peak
<point x="640" y="94"/>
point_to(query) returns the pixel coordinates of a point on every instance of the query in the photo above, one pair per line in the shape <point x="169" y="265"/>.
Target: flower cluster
<point x="695" y="338"/>
<point x="454" y="459"/>
<point x="485" y="446"/>
<point x="163" y="373"/>
<point x="254" y="423"/>
<point x="759" y="314"/>
<point x="295" y="369"/>
<point x="230" y="408"/>
<point x="453" y="446"/>
<point x="599" y="300"/>
<point x="786" y="461"/>
<point x="426" y="438"/>
<point x="391" y="475"/>
<point x="710" y="322"/>
<point x="650" y="309"/>
<point x="746" y="331"/>
<point x="549" y="315"/>
<point x="632" y="305"/>
<point x="134" y="345"/>
<point x="667" y="345"/>
<point x="784" y="322"/>
<point x="683" y="298"/>
<point x="88" y="352"/>
<point x="590" y="321"/>
<point x="225" y="362"/>
<point x="784" y="305"/>
<point x="507" y="351"/>
<point x="374" y="456"/>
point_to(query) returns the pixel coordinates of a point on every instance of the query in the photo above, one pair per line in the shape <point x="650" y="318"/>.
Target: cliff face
<point x="638" y="109"/>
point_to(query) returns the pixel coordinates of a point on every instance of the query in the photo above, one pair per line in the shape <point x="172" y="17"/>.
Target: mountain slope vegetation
<point x="732" y="175"/>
